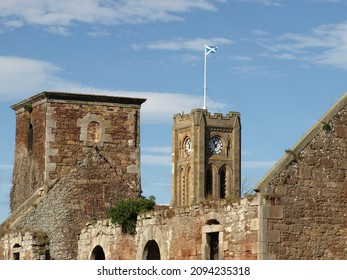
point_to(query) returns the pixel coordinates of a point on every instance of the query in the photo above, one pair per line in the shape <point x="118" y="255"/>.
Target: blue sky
<point x="281" y="63"/>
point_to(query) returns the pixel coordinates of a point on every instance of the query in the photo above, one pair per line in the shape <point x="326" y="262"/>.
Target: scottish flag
<point x="210" y="49"/>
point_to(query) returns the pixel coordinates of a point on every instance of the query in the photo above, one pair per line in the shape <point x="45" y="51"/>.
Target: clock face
<point x="215" y="145"/>
<point x="188" y="146"/>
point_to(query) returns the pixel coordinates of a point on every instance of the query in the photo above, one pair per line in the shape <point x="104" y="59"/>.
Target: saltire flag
<point x="210" y="49"/>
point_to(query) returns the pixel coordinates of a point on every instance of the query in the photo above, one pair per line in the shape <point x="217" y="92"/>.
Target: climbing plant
<point x="125" y="212"/>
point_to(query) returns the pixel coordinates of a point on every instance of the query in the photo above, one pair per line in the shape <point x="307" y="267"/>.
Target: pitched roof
<point x="292" y="153"/>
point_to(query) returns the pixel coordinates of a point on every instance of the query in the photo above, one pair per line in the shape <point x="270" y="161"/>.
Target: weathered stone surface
<point x="85" y="157"/>
<point x="180" y="234"/>
<point x="79" y="161"/>
<point x="313" y="223"/>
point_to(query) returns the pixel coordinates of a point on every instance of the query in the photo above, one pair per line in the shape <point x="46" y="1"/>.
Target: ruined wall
<point x="24" y="246"/>
<point x="28" y="174"/>
<point x="180" y="233"/>
<point x="90" y="159"/>
<point x="305" y="203"/>
<point x="116" y="246"/>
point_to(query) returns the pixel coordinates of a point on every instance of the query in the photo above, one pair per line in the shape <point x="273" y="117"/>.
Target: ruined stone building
<point x="77" y="155"/>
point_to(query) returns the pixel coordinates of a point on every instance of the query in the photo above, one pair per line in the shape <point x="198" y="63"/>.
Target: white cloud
<point x="98" y="34"/>
<point x="177" y="44"/>
<point x="241" y="58"/>
<point x="277" y="3"/>
<point x="20" y="78"/>
<point x="326" y="44"/>
<point x="64" y="13"/>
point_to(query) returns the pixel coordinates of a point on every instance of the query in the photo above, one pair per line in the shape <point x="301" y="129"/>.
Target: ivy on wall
<point x="125" y="212"/>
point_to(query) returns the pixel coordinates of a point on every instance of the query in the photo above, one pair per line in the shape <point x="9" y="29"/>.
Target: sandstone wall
<point x="305" y="203"/>
<point x="88" y="161"/>
<point x="180" y="233"/>
<point x="29" y="165"/>
<point x="24" y="246"/>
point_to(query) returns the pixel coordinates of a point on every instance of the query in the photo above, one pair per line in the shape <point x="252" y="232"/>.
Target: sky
<point x="280" y="63"/>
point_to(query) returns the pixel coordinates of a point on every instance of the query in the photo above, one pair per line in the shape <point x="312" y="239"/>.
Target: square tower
<point x="76" y="156"/>
<point x="206" y="157"/>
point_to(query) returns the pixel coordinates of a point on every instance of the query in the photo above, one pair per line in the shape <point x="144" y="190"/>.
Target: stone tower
<point x="76" y="155"/>
<point x="205" y="156"/>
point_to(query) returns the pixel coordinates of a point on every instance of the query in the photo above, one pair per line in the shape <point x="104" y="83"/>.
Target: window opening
<point x="222" y="183"/>
<point x="213" y="241"/>
<point x="98" y="253"/>
<point x="208" y="183"/>
<point x="16" y="252"/>
<point x="30" y="137"/>
<point x="93" y="132"/>
<point x="151" y="251"/>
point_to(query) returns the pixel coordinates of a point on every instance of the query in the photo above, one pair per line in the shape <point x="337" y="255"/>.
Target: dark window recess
<point x="208" y="186"/>
<point x="98" y="253"/>
<point x="151" y="251"/>
<point x="213" y="241"/>
<point x="16" y="252"/>
<point x="222" y="185"/>
<point x="30" y="137"/>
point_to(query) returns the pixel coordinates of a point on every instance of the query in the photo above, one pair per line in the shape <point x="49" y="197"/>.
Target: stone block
<point x="273" y="212"/>
<point x="254" y="224"/>
<point x="273" y="236"/>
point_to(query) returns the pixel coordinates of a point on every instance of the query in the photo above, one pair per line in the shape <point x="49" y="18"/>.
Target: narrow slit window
<point x="30" y="137"/>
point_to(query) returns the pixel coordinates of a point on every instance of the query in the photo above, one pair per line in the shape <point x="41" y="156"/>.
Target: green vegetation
<point x="326" y="126"/>
<point x="28" y="107"/>
<point x="125" y="212"/>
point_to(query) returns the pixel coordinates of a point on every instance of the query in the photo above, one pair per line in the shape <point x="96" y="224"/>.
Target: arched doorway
<point x="98" y="253"/>
<point x="151" y="251"/>
<point x="16" y="251"/>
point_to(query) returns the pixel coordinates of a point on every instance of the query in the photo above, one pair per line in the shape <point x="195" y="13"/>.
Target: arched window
<point x="212" y="222"/>
<point x="16" y="252"/>
<point x="222" y="182"/>
<point x="208" y="183"/>
<point x="151" y="251"/>
<point x="93" y="132"/>
<point x="182" y="187"/>
<point x="30" y="140"/>
<point x="187" y="185"/>
<point x="98" y="253"/>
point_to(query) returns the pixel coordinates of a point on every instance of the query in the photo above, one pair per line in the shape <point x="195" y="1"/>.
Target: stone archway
<point x="16" y="250"/>
<point x="98" y="253"/>
<point x="151" y="251"/>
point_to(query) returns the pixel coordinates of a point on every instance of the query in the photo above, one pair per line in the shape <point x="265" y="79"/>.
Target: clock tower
<point x="206" y="157"/>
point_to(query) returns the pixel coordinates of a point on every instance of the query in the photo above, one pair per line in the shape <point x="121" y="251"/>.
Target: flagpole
<point x="204" y="106"/>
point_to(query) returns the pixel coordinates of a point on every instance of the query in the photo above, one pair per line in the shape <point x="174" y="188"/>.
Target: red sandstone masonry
<point x="81" y="177"/>
<point x="313" y="198"/>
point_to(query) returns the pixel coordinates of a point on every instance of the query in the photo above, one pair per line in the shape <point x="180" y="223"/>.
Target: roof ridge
<point x="291" y="154"/>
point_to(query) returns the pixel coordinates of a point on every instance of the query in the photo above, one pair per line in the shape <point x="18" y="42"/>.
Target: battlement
<point x="216" y="116"/>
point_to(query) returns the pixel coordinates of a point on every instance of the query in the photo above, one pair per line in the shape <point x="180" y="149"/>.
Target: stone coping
<point x="293" y="153"/>
<point x="66" y="96"/>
